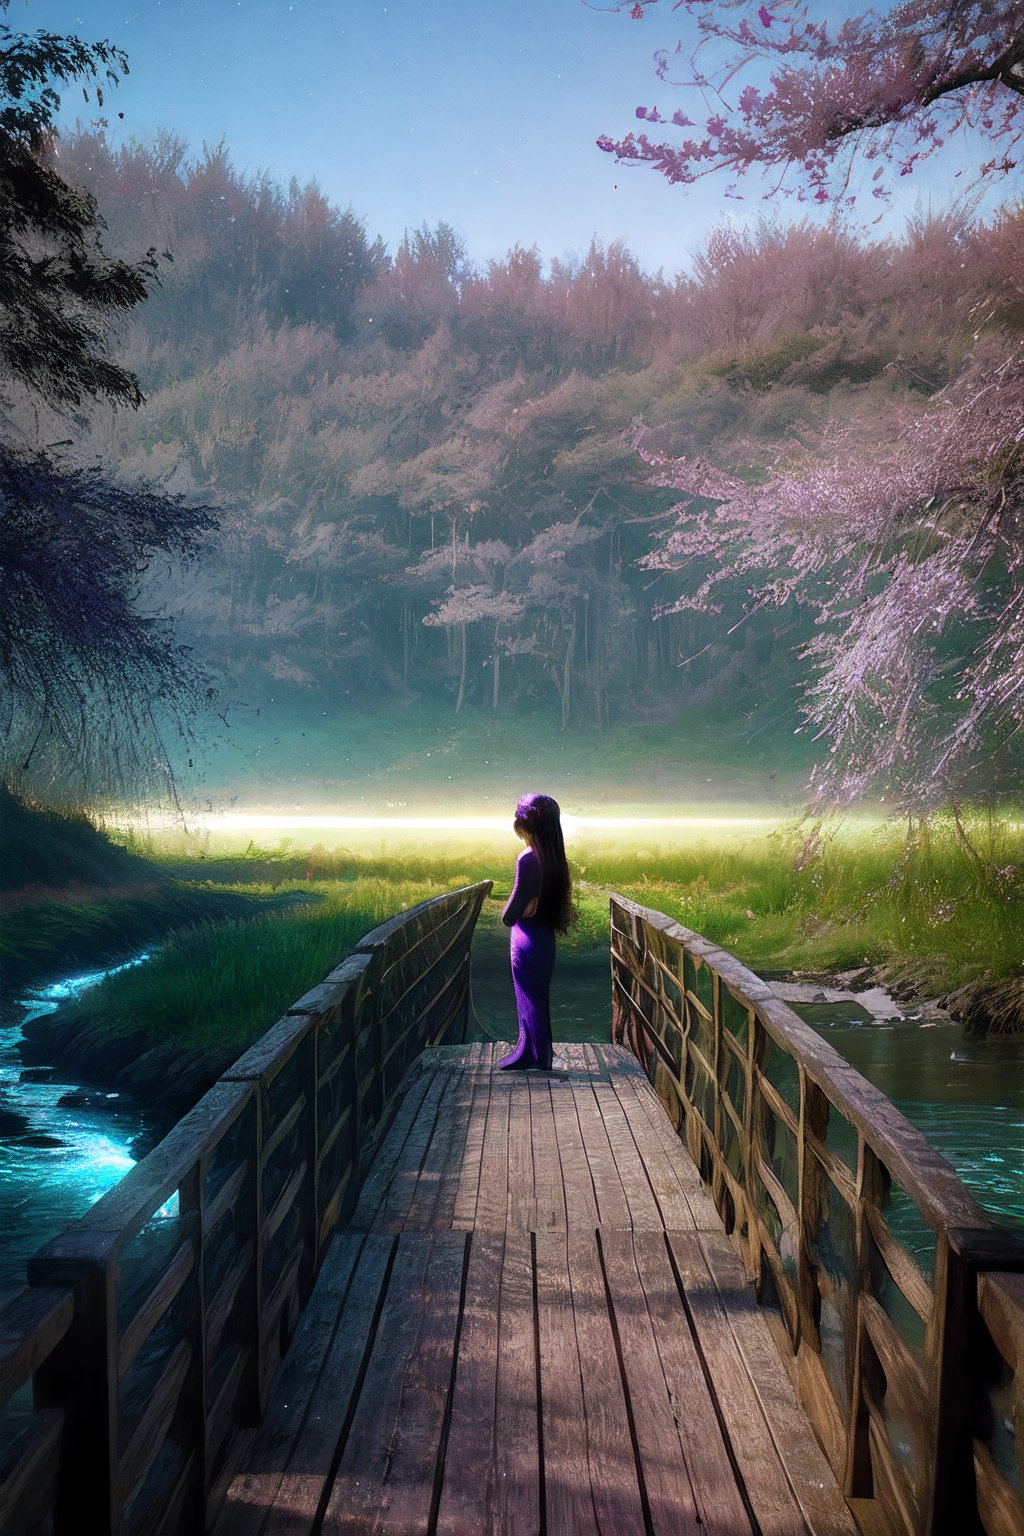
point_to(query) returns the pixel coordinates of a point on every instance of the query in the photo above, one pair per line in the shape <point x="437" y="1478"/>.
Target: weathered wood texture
<point x="814" y="1173"/>
<point x="558" y="1338"/>
<point x="161" y="1317"/>
<point x="999" y="1410"/>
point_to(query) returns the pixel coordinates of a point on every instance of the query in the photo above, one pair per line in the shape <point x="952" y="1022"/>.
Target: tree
<point x="896" y="87"/>
<point x="909" y="550"/>
<point x="902" y="536"/>
<point x="57" y="286"/>
<point x="74" y="547"/>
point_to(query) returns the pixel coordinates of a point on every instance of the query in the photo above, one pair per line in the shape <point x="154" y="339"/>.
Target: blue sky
<point x="477" y="112"/>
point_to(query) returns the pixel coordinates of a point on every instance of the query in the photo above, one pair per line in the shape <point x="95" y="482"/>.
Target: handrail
<point x="998" y="1422"/>
<point x="826" y="1188"/>
<point x="153" y="1326"/>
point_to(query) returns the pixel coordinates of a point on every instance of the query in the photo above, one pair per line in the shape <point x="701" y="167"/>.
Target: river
<point x="966" y="1094"/>
<point x="55" y="1159"/>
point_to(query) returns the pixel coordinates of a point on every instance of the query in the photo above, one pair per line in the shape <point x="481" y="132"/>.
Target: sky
<point x="483" y="113"/>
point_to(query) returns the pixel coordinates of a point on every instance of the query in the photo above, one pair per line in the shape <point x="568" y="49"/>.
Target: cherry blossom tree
<point x="909" y="550"/>
<point x="781" y="87"/>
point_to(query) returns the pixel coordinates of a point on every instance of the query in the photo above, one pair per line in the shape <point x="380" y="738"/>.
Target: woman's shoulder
<point x="528" y="856"/>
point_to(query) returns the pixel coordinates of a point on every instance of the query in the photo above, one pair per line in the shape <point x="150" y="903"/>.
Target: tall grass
<point x="940" y="904"/>
<point x="219" y="985"/>
<point x="940" y="901"/>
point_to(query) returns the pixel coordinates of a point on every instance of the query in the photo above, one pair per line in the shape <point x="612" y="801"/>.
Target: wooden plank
<point x="405" y="1175"/>
<point x="719" y="1500"/>
<point x="697" y="1196"/>
<point x="767" y="1485"/>
<point x="155" y="1421"/>
<point x="643" y="1210"/>
<point x="567" y="1496"/>
<point x="521" y="1203"/>
<point x="612" y="1207"/>
<point x="517" y="1469"/>
<point x="335" y="1395"/>
<point x="29" y="1480"/>
<point x="299" y="1436"/>
<point x="998" y="1505"/>
<point x="548" y="1189"/>
<point x="824" y="1508"/>
<point x="464" y="1214"/>
<point x="468" y="1490"/>
<point x="385" y="1482"/>
<point x="492" y="1196"/>
<point x="670" y="1495"/>
<point x="389" y="1153"/>
<point x="669" y="1191"/>
<point x="32" y="1324"/>
<point x="438" y="1153"/>
<point x="448" y="1187"/>
<point x="614" y="1484"/>
<point x="577" y="1183"/>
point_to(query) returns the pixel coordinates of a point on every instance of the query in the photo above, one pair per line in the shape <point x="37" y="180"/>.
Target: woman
<point x="540" y="906"/>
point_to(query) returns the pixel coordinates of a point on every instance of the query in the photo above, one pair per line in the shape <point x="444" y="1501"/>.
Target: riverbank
<point x="166" y="1031"/>
<point x="935" y="917"/>
<point x="72" y="900"/>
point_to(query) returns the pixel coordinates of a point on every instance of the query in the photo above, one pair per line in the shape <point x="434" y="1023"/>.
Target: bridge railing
<point x="866" y="1249"/>
<point x="152" y="1327"/>
<point x="998" y="1427"/>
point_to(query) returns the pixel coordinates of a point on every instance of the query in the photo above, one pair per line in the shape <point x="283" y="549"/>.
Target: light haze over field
<point x="444" y="568"/>
<point x="484" y="115"/>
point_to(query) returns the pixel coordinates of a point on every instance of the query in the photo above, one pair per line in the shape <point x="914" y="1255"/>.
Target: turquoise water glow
<point x="55" y="1160"/>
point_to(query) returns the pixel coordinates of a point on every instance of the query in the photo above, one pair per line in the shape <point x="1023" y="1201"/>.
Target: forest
<point x="442" y="484"/>
<point x="340" y="555"/>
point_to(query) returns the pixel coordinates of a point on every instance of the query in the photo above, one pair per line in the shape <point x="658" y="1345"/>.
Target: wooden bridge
<point x="700" y="1278"/>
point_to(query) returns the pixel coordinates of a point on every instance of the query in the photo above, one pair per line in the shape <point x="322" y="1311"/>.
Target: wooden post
<point x="812" y="1188"/>
<point x="872" y="1189"/>
<point x="192" y="1301"/>
<point x="719" y="1187"/>
<point x="756" y="1045"/>
<point x="961" y="1254"/>
<point x="81" y="1376"/>
<point x="310" y="1077"/>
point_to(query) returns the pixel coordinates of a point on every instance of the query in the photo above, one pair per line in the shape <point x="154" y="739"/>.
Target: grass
<point x="940" y="906"/>
<point x="216" y="986"/>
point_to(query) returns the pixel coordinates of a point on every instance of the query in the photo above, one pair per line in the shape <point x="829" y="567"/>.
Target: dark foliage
<point x="73" y="548"/>
<point x="57" y="287"/>
<point x="82" y="666"/>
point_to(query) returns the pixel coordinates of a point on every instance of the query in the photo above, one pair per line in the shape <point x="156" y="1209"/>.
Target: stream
<point x="56" y="1159"/>
<point x="965" y="1093"/>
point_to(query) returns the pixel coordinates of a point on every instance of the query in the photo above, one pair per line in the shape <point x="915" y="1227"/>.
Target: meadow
<point x="937" y="905"/>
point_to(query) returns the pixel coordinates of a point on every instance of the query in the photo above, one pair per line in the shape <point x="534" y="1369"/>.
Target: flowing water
<point x="55" y="1159"/>
<point x="965" y="1094"/>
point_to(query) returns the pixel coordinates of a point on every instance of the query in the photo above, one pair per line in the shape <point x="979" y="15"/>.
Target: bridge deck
<point x="534" y="1322"/>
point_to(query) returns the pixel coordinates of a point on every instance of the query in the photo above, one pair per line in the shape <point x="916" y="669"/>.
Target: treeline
<point x="424" y="468"/>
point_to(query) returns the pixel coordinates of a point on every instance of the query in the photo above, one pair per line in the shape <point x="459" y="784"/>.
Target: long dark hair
<point x="538" y="824"/>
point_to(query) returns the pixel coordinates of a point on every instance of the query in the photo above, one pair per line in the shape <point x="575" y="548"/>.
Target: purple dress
<point x="533" y="961"/>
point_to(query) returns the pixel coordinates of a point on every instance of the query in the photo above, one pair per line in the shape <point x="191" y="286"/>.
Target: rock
<point x="12" y="1124"/>
<point x="36" y="1075"/>
<point x="85" y="1098"/>
<point x="41" y="1140"/>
